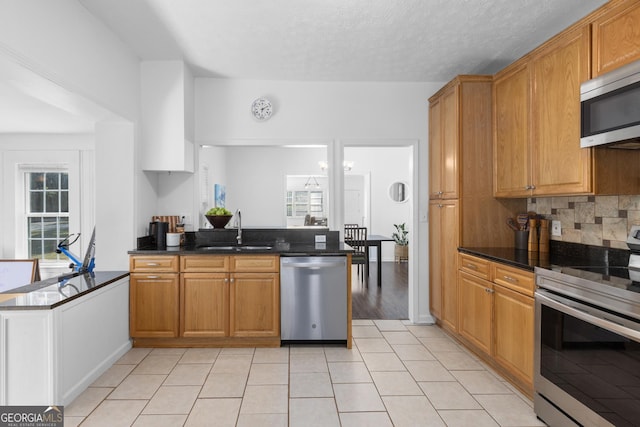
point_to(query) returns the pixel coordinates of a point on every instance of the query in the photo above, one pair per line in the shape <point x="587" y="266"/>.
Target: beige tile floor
<point x="397" y="374"/>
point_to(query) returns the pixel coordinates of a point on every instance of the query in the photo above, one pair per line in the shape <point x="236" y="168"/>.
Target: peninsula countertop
<point x="51" y="293"/>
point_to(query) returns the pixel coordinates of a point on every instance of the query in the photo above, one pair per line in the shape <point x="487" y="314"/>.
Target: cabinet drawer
<point x="154" y="263"/>
<point x="513" y="278"/>
<point x="257" y="263"/>
<point x="473" y="265"/>
<point x="204" y="263"/>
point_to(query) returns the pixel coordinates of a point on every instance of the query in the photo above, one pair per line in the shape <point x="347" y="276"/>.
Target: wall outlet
<point x="321" y="238"/>
<point x="556" y="228"/>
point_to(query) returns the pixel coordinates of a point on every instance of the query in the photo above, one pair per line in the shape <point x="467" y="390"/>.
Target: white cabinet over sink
<point x="167" y="116"/>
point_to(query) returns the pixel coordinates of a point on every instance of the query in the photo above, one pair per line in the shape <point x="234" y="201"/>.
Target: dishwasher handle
<point x="316" y="264"/>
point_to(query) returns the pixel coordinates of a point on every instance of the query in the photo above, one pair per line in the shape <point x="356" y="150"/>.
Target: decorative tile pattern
<point x="591" y="220"/>
<point x="398" y="374"/>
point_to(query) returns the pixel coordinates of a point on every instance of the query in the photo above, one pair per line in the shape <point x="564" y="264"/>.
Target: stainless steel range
<point x="587" y="343"/>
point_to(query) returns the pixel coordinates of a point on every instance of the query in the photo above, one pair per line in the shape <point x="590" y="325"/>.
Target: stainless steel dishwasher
<point x="313" y="298"/>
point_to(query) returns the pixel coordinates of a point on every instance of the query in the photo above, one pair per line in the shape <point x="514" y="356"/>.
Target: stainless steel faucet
<point x="239" y="226"/>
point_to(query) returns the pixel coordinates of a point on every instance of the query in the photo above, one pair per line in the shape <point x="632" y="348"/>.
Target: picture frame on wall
<point x="220" y="195"/>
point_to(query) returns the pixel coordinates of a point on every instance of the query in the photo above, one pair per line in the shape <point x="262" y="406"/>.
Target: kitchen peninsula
<point x="58" y="336"/>
<point x="214" y="292"/>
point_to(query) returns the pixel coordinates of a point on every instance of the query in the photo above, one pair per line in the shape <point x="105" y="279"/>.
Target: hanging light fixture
<point x="311" y="183"/>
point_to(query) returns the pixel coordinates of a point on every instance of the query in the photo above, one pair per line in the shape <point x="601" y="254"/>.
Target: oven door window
<point x="599" y="368"/>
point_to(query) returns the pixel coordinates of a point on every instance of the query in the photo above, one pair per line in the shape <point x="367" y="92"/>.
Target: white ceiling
<point x="306" y="40"/>
<point x="338" y="40"/>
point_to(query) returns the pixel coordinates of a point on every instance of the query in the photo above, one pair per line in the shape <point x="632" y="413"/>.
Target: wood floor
<point x="387" y="302"/>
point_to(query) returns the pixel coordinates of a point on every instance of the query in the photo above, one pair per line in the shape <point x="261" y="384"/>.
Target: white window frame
<point x="59" y="161"/>
<point x="24" y="172"/>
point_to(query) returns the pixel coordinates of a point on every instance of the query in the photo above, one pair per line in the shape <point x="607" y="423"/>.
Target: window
<point x="47" y="211"/>
<point x="303" y="202"/>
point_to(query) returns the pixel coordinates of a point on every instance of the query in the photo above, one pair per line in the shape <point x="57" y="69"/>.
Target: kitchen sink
<point x="236" y="248"/>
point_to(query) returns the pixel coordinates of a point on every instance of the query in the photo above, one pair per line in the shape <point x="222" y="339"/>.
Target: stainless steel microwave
<point x="610" y="109"/>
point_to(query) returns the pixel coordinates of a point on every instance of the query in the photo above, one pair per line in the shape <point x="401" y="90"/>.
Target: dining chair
<point x="356" y="237"/>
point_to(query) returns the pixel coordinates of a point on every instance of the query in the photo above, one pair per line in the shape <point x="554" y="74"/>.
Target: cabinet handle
<point x="152" y="264"/>
<point x="439" y="205"/>
<point x="472" y="266"/>
<point x="511" y="279"/>
<point x="489" y="291"/>
<point x="153" y="277"/>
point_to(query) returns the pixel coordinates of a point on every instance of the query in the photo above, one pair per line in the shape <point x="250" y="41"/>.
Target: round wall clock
<point x="262" y="109"/>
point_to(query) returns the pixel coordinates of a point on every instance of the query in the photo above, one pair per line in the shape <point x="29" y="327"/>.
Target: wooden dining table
<point x="375" y="240"/>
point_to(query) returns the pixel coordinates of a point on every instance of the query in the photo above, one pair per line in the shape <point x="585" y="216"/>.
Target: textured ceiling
<point x="338" y="40"/>
<point x="312" y="40"/>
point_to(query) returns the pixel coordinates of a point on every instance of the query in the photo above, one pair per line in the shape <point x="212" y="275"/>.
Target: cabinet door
<point x="153" y="305"/>
<point x="616" y="39"/>
<point x="204" y="305"/>
<point x="559" y="165"/>
<point x="435" y="149"/>
<point x="255" y="305"/>
<point x="475" y="298"/>
<point x="512" y="158"/>
<point x="450" y="143"/>
<point x="513" y="330"/>
<point x="443" y="266"/>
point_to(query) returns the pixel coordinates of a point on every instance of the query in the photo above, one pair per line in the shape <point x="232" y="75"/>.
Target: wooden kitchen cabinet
<point x="496" y="317"/>
<point x="513" y="333"/>
<point x="204" y="308"/>
<point x="615" y="37"/>
<point x="537" y="121"/>
<point x="443" y="246"/>
<point x="205" y="300"/>
<point x="255" y="305"/>
<point x="153" y="302"/>
<point x="153" y="296"/>
<point x="558" y="164"/>
<point x="443" y="145"/>
<point x="511" y="124"/>
<point x="475" y="297"/>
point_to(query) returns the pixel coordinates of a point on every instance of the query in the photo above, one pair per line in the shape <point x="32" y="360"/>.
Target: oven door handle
<point x="588" y="314"/>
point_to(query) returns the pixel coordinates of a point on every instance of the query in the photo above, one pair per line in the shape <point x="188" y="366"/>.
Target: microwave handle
<point x="588" y="314"/>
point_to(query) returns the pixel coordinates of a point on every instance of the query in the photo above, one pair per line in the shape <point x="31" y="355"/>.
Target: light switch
<point x="556" y="228"/>
<point x="321" y="238"/>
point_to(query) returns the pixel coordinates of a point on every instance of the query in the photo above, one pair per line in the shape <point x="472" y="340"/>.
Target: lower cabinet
<point x="497" y="316"/>
<point x="204" y="311"/>
<point x="206" y="298"/>
<point x="154" y="297"/>
<point x="255" y="305"/>
<point x="513" y="332"/>
<point x="475" y="315"/>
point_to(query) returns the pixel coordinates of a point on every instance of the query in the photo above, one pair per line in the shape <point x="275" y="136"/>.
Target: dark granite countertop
<point x="51" y="293"/>
<point x="290" y="249"/>
<point x="275" y="241"/>
<point x="560" y="254"/>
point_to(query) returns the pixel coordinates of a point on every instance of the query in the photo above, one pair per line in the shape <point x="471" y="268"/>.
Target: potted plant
<point x="401" y="251"/>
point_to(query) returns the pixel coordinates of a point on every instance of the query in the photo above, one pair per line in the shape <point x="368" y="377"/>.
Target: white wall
<point x="351" y="113"/>
<point x="63" y="42"/>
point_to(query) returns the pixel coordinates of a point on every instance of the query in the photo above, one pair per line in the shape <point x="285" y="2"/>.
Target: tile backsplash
<point x="591" y="220"/>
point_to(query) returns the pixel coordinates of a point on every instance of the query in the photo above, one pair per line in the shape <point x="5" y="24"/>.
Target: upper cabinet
<point x="167" y="103"/>
<point x="537" y="121"/>
<point x="511" y="117"/>
<point x="558" y="164"/>
<point x="536" y="106"/>
<point x="443" y="145"/>
<point x="616" y="37"/>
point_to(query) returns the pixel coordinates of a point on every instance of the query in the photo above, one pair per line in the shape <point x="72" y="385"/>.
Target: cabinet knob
<point x="489" y="291"/>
